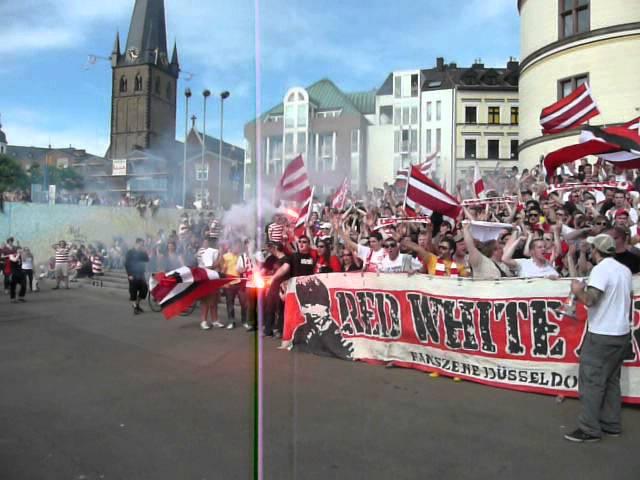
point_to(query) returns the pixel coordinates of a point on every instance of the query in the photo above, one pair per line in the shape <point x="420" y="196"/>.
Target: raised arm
<point x="475" y="257"/>
<point x="510" y="248"/>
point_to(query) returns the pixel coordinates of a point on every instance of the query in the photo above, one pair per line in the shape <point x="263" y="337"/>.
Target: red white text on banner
<point x="506" y="335"/>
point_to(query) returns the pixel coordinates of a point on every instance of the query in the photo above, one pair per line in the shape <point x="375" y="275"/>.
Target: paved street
<point x="90" y="391"/>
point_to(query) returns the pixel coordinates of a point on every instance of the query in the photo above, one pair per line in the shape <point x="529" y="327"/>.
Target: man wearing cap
<point x="608" y="296"/>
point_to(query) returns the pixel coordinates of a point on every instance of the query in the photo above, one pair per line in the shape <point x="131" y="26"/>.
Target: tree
<point x="63" y="178"/>
<point x="12" y="175"/>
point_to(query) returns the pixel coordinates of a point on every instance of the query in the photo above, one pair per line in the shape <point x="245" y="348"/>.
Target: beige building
<point x="565" y="43"/>
<point x="486" y="121"/>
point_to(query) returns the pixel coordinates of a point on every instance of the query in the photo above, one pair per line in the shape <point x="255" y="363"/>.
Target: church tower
<point x="144" y="84"/>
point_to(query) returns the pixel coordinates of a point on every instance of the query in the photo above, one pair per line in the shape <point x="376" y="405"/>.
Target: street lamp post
<point x="187" y="94"/>
<point x="223" y="96"/>
<point x="205" y="94"/>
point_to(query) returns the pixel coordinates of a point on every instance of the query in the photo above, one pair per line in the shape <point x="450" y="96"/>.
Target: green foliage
<point x="12" y="175"/>
<point x="63" y="178"/>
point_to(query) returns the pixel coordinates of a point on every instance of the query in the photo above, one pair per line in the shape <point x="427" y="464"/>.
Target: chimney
<point x="440" y="64"/>
<point x="477" y="63"/>
<point x="513" y="64"/>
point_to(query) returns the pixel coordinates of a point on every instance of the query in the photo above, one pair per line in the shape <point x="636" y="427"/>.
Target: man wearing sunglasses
<point x="394" y="261"/>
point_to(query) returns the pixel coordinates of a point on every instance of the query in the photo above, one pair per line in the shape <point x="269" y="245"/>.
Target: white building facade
<point x="565" y="43"/>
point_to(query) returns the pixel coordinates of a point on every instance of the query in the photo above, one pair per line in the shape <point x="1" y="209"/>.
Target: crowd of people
<point x="584" y="222"/>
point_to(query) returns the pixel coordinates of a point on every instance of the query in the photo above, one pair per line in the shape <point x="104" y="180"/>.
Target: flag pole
<point x="406" y="189"/>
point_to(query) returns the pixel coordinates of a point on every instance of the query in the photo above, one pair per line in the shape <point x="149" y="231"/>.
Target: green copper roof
<point x="325" y="95"/>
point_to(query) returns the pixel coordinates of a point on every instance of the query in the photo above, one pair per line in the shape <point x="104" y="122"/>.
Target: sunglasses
<point x="303" y="241"/>
<point x="390" y="245"/>
<point x="602" y="224"/>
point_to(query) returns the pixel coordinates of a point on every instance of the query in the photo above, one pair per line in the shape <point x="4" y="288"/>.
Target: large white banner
<point x="506" y="333"/>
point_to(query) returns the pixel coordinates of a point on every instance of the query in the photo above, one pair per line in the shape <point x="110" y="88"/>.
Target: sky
<point x="256" y="49"/>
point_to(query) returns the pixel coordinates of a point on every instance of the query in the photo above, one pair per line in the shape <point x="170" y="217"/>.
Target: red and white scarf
<point x="441" y="269"/>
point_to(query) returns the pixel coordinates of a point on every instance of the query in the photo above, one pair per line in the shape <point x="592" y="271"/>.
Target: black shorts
<point x="138" y="289"/>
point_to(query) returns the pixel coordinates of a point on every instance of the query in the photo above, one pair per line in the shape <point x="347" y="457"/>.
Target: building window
<point x="429" y="141"/>
<point x="494" y="115"/>
<point x="396" y="141"/>
<point x="438" y="110"/>
<point x="428" y="111"/>
<point x="168" y="91"/>
<point x="415" y="87"/>
<point x="405" y="116"/>
<point x="138" y="83"/>
<point x="514" y="149"/>
<point x="274" y="154"/>
<point x="470" y="114"/>
<point x="397" y="87"/>
<point x="493" y="149"/>
<point x="302" y="115"/>
<point x="414" y="115"/>
<point x="413" y="140"/>
<point x="568" y="85"/>
<point x="326" y="153"/>
<point x="404" y="140"/>
<point x="573" y="17"/>
<point x="355" y="141"/>
<point x="397" y="116"/>
<point x="157" y="87"/>
<point x="301" y="143"/>
<point x="289" y="116"/>
<point x="469" y="149"/>
<point x="288" y="144"/>
<point x="202" y="196"/>
<point x="123" y="84"/>
<point x="202" y="172"/>
<point x="438" y="139"/>
<point x="386" y="115"/>
<point x="514" y="115"/>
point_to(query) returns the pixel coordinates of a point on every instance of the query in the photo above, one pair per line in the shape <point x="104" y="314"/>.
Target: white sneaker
<point x="230" y="326"/>
<point x="218" y="324"/>
<point x="205" y="325"/>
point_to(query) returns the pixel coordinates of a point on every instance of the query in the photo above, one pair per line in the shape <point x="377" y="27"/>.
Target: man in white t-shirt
<point x="394" y="261"/>
<point x="371" y="256"/>
<point x="209" y="257"/>
<point x="608" y="296"/>
<point x="535" y="267"/>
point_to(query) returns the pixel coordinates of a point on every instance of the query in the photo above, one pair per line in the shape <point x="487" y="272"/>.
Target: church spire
<point x="147" y="39"/>
<point x="116" y="45"/>
<point x="174" y="55"/>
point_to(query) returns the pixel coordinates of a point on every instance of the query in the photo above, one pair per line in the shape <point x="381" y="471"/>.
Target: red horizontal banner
<point x="504" y="333"/>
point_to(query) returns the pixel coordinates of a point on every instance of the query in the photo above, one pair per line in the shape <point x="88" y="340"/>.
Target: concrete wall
<point x="38" y="226"/>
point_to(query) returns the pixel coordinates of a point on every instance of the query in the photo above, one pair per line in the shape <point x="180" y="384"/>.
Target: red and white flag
<point x="294" y="185"/>
<point x="303" y="216"/>
<point x="340" y="197"/>
<point x="617" y="145"/>
<point x="570" y="112"/>
<point x="428" y="163"/>
<point x="178" y="289"/>
<point x="424" y="196"/>
<point x="478" y="183"/>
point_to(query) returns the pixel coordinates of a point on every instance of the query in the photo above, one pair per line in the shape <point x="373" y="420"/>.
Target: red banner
<point x="504" y="333"/>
